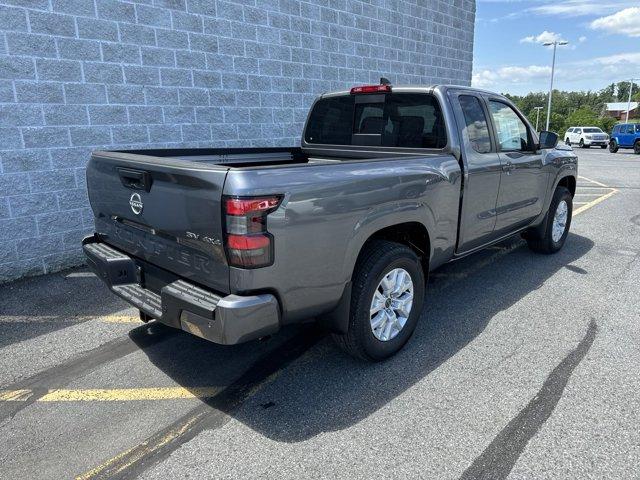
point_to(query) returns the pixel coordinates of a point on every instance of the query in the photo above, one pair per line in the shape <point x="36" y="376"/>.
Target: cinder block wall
<point x="76" y="75"/>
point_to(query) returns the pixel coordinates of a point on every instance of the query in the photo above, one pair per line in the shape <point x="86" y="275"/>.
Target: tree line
<point x="569" y="109"/>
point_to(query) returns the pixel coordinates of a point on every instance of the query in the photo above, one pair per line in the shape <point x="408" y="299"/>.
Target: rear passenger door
<point x="481" y="173"/>
<point x="575" y="135"/>
<point x="522" y="180"/>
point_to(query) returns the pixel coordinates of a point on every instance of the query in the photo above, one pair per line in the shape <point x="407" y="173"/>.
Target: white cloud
<point x="589" y="74"/>
<point x="625" y="21"/>
<point x="544" y="37"/>
<point x="578" y="8"/>
<point x="487" y="78"/>
<point x="582" y="39"/>
<point x="630" y="59"/>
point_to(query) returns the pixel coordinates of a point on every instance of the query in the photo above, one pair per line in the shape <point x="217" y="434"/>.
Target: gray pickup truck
<point x="389" y="183"/>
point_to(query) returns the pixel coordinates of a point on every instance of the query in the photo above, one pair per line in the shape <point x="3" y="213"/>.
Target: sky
<point x="603" y="36"/>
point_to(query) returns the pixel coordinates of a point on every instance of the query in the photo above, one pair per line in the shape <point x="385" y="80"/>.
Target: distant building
<point x="618" y="110"/>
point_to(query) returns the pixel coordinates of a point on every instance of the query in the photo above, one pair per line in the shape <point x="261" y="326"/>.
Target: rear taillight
<point x="248" y="243"/>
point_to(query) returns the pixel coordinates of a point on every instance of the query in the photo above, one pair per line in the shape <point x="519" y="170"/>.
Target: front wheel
<point x="581" y="143"/>
<point x="386" y="301"/>
<point x="567" y="141"/>
<point x="549" y="237"/>
<point x="613" y="146"/>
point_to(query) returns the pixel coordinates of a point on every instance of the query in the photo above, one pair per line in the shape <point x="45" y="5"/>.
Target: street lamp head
<point x="547" y="44"/>
<point x="564" y="42"/>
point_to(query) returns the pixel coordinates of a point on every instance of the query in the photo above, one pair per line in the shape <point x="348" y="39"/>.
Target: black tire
<point x="567" y="141"/>
<point x="540" y="239"/>
<point x="613" y="146"/>
<point x="377" y="259"/>
<point x="581" y="143"/>
<point x="603" y="146"/>
<point x="636" y="147"/>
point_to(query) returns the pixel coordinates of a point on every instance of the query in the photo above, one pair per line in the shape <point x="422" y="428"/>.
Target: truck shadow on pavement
<point x="324" y="390"/>
<point x="36" y="306"/>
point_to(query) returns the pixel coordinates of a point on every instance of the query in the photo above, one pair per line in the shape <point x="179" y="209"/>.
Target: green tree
<point x="575" y="108"/>
<point x="582" y="116"/>
<point x="606" y="123"/>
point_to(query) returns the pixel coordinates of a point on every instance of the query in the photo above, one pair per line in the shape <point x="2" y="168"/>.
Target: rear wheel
<point x="613" y="146"/>
<point x="636" y="147"/>
<point x="386" y="301"/>
<point x="549" y="237"/>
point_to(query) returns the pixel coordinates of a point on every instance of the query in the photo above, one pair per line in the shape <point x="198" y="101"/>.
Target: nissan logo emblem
<point x="135" y="202"/>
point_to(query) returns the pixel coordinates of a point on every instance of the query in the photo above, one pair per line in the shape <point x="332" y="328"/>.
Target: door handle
<point x="507" y="167"/>
<point x="135" y="179"/>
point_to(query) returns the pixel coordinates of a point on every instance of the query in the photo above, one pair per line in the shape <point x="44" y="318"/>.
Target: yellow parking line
<point x="120" y="319"/>
<point x="600" y="197"/>
<point x="111" y="394"/>
<point x="138" y="452"/>
<point x="593" y="181"/>
<point x="79" y="319"/>
<point x="14" y="395"/>
<point x="593" y="203"/>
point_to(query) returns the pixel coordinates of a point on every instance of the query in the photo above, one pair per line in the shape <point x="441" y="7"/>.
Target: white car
<point x="586" y="137"/>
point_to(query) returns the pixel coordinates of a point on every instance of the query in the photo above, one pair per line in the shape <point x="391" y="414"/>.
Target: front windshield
<point x="592" y="130"/>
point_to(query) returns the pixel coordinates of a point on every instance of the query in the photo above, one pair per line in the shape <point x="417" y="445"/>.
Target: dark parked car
<point x="625" y="135"/>
<point x="388" y="184"/>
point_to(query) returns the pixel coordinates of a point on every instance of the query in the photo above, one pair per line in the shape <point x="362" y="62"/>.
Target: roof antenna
<point x="384" y="81"/>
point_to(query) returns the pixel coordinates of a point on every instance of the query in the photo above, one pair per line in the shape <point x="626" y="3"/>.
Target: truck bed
<point x="246" y="157"/>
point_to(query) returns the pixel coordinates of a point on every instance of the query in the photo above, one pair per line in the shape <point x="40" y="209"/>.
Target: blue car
<point x="625" y="135"/>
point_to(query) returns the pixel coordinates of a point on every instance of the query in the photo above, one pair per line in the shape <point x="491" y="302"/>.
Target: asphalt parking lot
<point x="523" y="366"/>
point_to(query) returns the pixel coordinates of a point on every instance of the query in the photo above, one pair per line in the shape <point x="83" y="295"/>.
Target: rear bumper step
<point x="226" y="320"/>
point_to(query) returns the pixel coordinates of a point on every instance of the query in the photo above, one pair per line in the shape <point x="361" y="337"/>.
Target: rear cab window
<point x="403" y="120"/>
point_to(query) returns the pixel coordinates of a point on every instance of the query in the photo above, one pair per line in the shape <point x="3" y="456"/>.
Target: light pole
<point x="629" y="100"/>
<point x="537" y="116"/>
<point x="555" y="44"/>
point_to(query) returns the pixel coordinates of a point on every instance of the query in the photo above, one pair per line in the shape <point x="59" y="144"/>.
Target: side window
<point x="570" y="130"/>
<point x="615" y="129"/>
<point x="629" y="129"/>
<point x="511" y="130"/>
<point x="637" y="127"/>
<point x="577" y="130"/>
<point x="413" y="120"/>
<point x="476" y="123"/>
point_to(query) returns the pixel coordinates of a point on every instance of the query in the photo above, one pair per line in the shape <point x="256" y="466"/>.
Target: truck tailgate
<point x="167" y="212"/>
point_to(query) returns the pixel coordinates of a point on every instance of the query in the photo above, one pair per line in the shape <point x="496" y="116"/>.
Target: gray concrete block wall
<point x="77" y="75"/>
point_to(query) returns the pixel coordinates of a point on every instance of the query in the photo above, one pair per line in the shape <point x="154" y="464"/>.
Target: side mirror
<point x="548" y="139"/>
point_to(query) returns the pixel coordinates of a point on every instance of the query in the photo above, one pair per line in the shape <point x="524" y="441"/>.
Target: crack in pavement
<point x="498" y="459"/>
